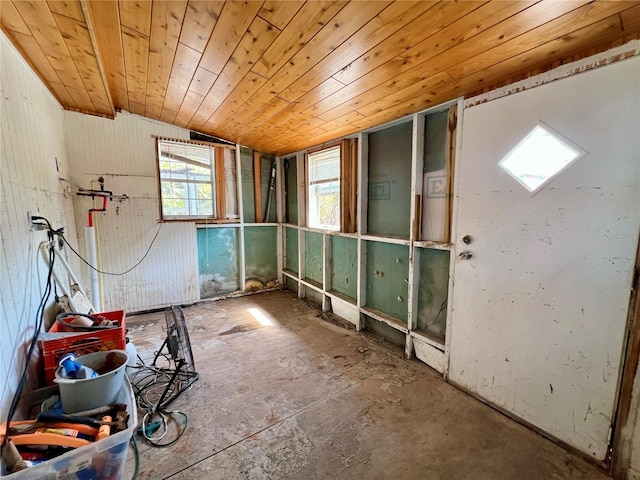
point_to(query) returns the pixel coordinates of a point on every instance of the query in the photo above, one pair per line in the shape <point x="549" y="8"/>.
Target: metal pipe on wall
<point x="92" y="259"/>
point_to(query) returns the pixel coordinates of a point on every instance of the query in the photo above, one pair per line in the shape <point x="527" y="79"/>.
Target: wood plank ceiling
<point x="280" y="76"/>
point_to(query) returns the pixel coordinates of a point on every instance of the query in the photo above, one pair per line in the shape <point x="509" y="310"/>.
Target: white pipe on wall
<point x="92" y="259"/>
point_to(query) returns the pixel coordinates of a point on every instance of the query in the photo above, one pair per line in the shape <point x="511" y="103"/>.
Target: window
<point x="198" y="181"/>
<point x="540" y="157"/>
<point x="324" y="188"/>
<point x="187" y="180"/>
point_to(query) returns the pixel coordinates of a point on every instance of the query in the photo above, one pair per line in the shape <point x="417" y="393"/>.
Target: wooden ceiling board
<point x="555" y="28"/>
<point x="199" y="21"/>
<point x="432" y="21"/>
<point x="105" y="22"/>
<point x="166" y="25"/>
<point x="78" y="41"/>
<point x="242" y="92"/>
<point x="344" y="24"/>
<point x="229" y="30"/>
<point x="426" y="59"/>
<point x="71" y="9"/>
<point x="136" y="15"/>
<point x="426" y="86"/>
<point x="37" y="58"/>
<point x="11" y="19"/>
<point x="135" y="46"/>
<point x="387" y="22"/>
<point x="252" y="46"/>
<point x="248" y="50"/>
<point x="286" y="111"/>
<point x="202" y="81"/>
<point x="44" y="30"/>
<point x="529" y="61"/>
<point x="630" y="18"/>
<point x="280" y="76"/>
<point x="185" y="63"/>
<point x="279" y="13"/>
<point x="304" y="25"/>
<point x="190" y="104"/>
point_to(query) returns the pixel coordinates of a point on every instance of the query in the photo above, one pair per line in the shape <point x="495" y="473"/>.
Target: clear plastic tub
<point x="106" y="457"/>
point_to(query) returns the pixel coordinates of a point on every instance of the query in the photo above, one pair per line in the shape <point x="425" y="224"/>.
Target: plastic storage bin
<point x="55" y="343"/>
<point x="82" y="394"/>
<point x="107" y="457"/>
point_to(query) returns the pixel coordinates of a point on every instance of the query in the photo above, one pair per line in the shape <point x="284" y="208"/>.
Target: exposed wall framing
<point x="372" y="279"/>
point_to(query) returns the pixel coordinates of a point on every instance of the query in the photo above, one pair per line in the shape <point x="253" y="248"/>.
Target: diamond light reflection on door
<point x="540" y="157"/>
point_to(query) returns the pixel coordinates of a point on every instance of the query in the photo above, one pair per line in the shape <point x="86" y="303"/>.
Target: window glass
<point x="540" y="157"/>
<point x="186" y="180"/>
<point x="324" y="189"/>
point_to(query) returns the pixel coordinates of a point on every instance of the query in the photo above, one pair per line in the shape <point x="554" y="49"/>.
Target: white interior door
<point x="539" y="310"/>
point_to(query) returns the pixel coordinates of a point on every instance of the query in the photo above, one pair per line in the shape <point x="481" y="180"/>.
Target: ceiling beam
<point x="88" y="17"/>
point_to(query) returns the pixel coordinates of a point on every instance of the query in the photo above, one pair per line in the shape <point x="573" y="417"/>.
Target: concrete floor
<point x="308" y="399"/>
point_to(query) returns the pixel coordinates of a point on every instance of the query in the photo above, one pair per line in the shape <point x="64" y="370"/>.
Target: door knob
<point x="465" y="255"/>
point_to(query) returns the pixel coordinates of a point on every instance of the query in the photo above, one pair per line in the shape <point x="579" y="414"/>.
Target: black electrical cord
<point x="38" y="326"/>
<point x="145" y="380"/>
<point x="112" y="273"/>
<point x="136" y="470"/>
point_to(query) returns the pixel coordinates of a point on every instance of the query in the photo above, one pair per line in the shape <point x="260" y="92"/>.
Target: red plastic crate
<point x="80" y="343"/>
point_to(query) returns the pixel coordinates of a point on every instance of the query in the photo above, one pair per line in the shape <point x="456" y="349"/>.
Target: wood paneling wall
<point x="122" y="151"/>
<point x="33" y="156"/>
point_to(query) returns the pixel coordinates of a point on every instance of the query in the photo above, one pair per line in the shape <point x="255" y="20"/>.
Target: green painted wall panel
<point x="291" y="252"/>
<point x="261" y="253"/>
<point x="291" y="284"/>
<point x="218" y="263"/>
<point x="313" y="256"/>
<point x="387" y="275"/>
<point x="344" y="266"/>
<point x="390" y="334"/>
<point x="434" y="141"/>
<point x="433" y="290"/>
<point x="291" y="189"/>
<point x="248" y="197"/>
<point x="389" y="201"/>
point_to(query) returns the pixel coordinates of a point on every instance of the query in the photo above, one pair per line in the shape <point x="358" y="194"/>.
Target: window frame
<point x="218" y="189"/>
<point x="308" y="185"/>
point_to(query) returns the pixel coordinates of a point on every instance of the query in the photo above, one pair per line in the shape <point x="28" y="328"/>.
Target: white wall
<point x="33" y="148"/>
<point x="123" y="152"/>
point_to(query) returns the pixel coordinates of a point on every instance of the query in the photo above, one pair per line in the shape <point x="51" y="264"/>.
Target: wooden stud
<point x="455" y="178"/>
<point x="221" y="197"/>
<point x="301" y="170"/>
<point x="280" y="205"/>
<point x="257" y="185"/>
<point x="629" y="372"/>
<point x="363" y="179"/>
<point x="326" y="271"/>
<point x="450" y="151"/>
<point x="243" y="260"/>
<point x="417" y="156"/>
